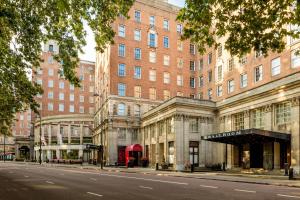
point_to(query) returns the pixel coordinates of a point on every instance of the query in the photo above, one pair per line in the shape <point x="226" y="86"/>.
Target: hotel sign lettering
<point x="226" y="134"/>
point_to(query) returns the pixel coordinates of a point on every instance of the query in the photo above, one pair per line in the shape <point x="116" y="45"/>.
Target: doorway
<point x="256" y="155"/>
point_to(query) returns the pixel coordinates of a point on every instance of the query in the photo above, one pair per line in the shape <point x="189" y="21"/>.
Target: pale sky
<point x="89" y="49"/>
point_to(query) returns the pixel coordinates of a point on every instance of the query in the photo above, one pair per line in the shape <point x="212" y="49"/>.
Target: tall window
<point x="50" y="95"/>
<point x="152" y="93"/>
<point x="50" y="83"/>
<point x="219" y="50"/>
<point x="152" y="21"/>
<point x="166" y="77"/>
<point x="230" y="86"/>
<point x="179" y="45"/>
<point x="152" y="39"/>
<point x="61" y="107"/>
<point x="219" y="90"/>
<point x="295" y="58"/>
<point x="137" y="35"/>
<point x="209" y="76"/>
<point x="201" y="64"/>
<point x="50" y="72"/>
<point x="121" y="109"/>
<point x="166" y="41"/>
<point x="121" y="89"/>
<point x="81" y="99"/>
<point x="201" y="83"/>
<point x="51" y="49"/>
<point x="238" y="121"/>
<point x="137" y="54"/>
<point x="209" y="58"/>
<point x="122" y="50"/>
<point x="209" y="94"/>
<point x="71" y="97"/>
<point x="137" y="72"/>
<point x="192" y="49"/>
<point x="50" y="106"/>
<point x="179" y="80"/>
<point x="275" y="66"/>
<point x="166" y="60"/>
<point x="258" y="73"/>
<point x="167" y="94"/>
<point x="192" y="82"/>
<point x="192" y="65"/>
<point x="71" y="108"/>
<point x="137" y="110"/>
<point x="152" y="56"/>
<point x="72" y="87"/>
<point x="121" y="30"/>
<point x="81" y="109"/>
<point x="137" y="16"/>
<point x="61" y="96"/>
<point x="137" y="91"/>
<point x="122" y="70"/>
<point x="230" y="64"/>
<point x="257" y="116"/>
<point x="152" y="75"/>
<point x="166" y="24"/>
<point x="179" y="28"/>
<point x="220" y="72"/>
<point x="244" y="80"/>
<point x="243" y="60"/>
<point x="283" y="113"/>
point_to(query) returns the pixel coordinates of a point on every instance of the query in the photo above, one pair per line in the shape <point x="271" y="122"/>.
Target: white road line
<point x="61" y="174"/>
<point x="93" y="179"/>
<point x="50" y="182"/>
<point x="26" y="176"/>
<point x="288" y="196"/>
<point x="208" y="186"/>
<point x="98" y="195"/>
<point x="145" y="179"/>
<point x="144" y="187"/>
<point x="249" y="191"/>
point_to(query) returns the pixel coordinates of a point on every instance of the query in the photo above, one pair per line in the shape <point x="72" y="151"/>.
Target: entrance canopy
<point x="248" y="136"/>
<point x="134" y="147"/>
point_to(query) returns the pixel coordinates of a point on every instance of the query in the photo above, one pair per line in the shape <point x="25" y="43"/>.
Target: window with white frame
<point x="167" y="94"/>
<point x="166" y="60"/>
<point x="209" y="61"/>
<point x="179" y="45"/>
<point x="152" y="75"/>
<point x="50" y="60"/>
<point x="193" y="125"/>
<point x="192" y="82"/>
<point x="50" y="72"/>
<point x="179" y="28"/>
<point x="283" y="113"/>
<point x="137" y="91"/>
<point x="244" y="80"/>
<point x="152" y="93"/>
<point x="258" y="117"/>
<point x="39" y="71"/>
<point x="50" y="106"/>
<point x="166" y="24"/>
<point x="201" y="82"/>
<point x="122" y="30"/>
<point x="137" y="15"/>
<point x="152" y="20"/>
<point x="61" y="85"/>
<point x="81" y="99"/>
<point x="152" y="39"/>
<point x="238" y="121"/>
<point x="220" y="50"/>
<point x="258" y="73"/>
<point x="137" y="35"/>
<point x="137" y="72"/>
<point x="230" y="64"/>
<point x="72" y="87"/>
<point x="166" y="77"/>
<point x="122" y="70"/>
<point x="61" y="96"/>
<point x="137" y="110"/>
<point x="192" y="49"/>
<point x="179" y="80"/>
<point x="243" y="60"/>
<point x="71" y="108"/>
<point x="121" y="89"/>
<point x="295" y="58"/>
<point x="137" y="53"/>
<point x="220" y="73"/>
<point x="50" y="95"/>
<point x="152" y="56"/>
<point x="61" y="107"/>
<point x="91" y="89"/>
<point x="209" y="76"/>
<point x="121" y="50"/>
<point x="166" y="41"/>
<point x="275" y="66"/>
<point x="209" y="94"/>
<point x="81" y="109"/>
<point x="201" y="65"/>
<point x="50" y="83"/>
<point x="71" y="97"/>
<point x="296" y="29"/>
<point x="230" y="84"/>
<point x="219" y="90"/>
<point x="192" y="65"/>
<point x="121" y="109"/>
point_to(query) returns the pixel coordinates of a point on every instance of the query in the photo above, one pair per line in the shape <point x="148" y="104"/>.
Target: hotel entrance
<point x="255" y="148"/>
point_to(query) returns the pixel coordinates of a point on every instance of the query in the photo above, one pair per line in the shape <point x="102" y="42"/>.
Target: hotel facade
<point x="184" y="108"/>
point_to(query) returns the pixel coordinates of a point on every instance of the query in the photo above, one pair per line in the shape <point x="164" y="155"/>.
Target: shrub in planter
<point x="131" y="162"/>
<point x="144" y="161"/>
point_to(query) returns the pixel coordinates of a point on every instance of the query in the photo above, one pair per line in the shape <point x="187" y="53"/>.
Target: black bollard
<point x="192" y="168"/>
<point x="291" y="174"/>
<point x="224" y="166"/>
<point x="286" y="169"/>
<point x="156" y="166"/>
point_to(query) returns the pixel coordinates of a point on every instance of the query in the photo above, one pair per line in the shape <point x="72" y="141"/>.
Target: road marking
<point x="93" y="179"/>
<point x="26" y="176"/>
<point x="208" y="186"/>
<point x="62" y="174"/>
<point x="145" y="179"/>
<point x="98" y="195"/>
<point x="144" y="187"/>
<point x="50" y="182"/>
<point x="249" y="191"/>
<point x="11" y="172"/>
<point x="288" y="196"/>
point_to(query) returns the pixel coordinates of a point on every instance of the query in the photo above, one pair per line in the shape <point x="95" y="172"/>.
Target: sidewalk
<point x="277" y="180"/>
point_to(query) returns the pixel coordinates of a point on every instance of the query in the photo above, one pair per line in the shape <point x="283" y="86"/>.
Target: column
<point x="157" y="144"/>
<point x="81" y="134"/>
<point x="57" y="153"/>
<point x="179" y="142"/>
<point x="69" y="134"/>
<point x="276" y="155"/>
<point x="58" y="136"/>
<point x="230" y="148"/>
<point x="49" y="156"/>
<point x="295" y="139"/>
<point x="49" y="135"/>
<point x="268" y="117"/>
<point x="246" y="119"/>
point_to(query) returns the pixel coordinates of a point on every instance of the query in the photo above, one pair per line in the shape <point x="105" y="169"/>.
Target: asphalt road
<point x="33" y="182"/>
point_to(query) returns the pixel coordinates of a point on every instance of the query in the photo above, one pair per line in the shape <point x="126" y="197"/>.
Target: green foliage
<point x="26" y="24"/>
<point x="261" y="25"/>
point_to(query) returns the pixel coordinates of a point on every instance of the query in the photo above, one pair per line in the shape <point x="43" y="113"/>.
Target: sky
<point x="89" y="50"/>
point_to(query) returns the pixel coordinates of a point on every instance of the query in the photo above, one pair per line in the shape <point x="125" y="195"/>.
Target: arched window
<point x="121" y="109"/>
<point x="137" y="110"/>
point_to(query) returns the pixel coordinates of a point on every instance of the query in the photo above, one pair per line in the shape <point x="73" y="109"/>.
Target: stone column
<point x="276" y="155"/>
<point x="49" y="156"/>
<point x="57" y="153"/>
<point x="186" y="140"/>
<point x="49" y="135"/>
<point x="69" y="134"/>
<point x="230" y="148"/>
<point x="58" y="136"/>
<point x="81" y="134"/>
<point x="157" y="157"/>
<point x="268" y="117"/>
<point x="295" y="139"/>
<point x="246" y="119"/>
<point x="179" y="143"/>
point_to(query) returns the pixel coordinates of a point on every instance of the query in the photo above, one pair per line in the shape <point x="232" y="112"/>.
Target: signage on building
<point x="220" y="135"/>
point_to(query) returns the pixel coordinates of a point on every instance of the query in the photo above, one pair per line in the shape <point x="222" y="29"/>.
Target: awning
<point x="248" y="136"/>
<point x="134" y="147"/>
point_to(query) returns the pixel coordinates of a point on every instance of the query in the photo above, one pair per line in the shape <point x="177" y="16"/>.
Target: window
<point x="71" y="108"/>
<point x="61" y="85"/>
<point x="219" y="90"/>
<point x="152" y="39"/>
<point x="81" y="99"/>
<point x="230" y="86"/>
<point x="92" y="89"/>
<point x="137" y="35"/>
<point x="192" y="82"/>
<point x="137" y="91"/>
<point x="121" y="109"/>
<point x="61" y="107"/>
<point x="39" y="71"/>
<point x="152" y="21"/>
<point x="283" y="113"/>
<point x="258" y="54"/>
<point x="209" y="94"/>
<point x="192" y="65"/>
<point x="192" y="49"/>
<point x="61" y="96"/>
<point x="230" y="64"/>
<point x="179" y="62"/>
<point x="50" y="106"/>
<point x="91" y="78"/>
<point x="137" y="53"/>
<point x="193" y="125"/>
<point x="50" y="95"/>
<point x="50" y="83"/>
<point x="209" y="58"/>
<point x="238" y="121"/>
<point x="121" y="89"/>
<point x="166" y="41"/>
<point x="122" y="50"/>
<point x="137" y="16"/>
<point x="209" y="76"/>
<point x="50" y="72"/>
<point x="179" y="80"/>
<point x="50" y="60"/>
<point x="71" y="97"/>
<point x="179" y="94"/>
<point x="201" y="82"/>
<point x="201" y="64"/>
<point x="152" y="56"/>
<point x="244" y="80"/>
<point x="122" y="70"/>
<point x="71" y="87"/>
<point x="275" y="66"/>
<point x="243" y="60"/>
<point x="219" y="50"/>
<point x="152" y="93"/>
<point x="137" y="110"/>
<point x="179" y="28"/>
<point x="137" y="72"/>
<point x="51" y="49"/>
<point x="166" y="77"/>
<point x="257" y="116"/>
<point x="91" y="99"/>
<point x="166" y="60"/>
<point x="152" y="75"/>
<point x="166" y="24"/>
<point x="121" y="30"/>
<point x="200" y="95"/>
<point x="81" y="109"/>
<point x="82" y="87"/>
<point x="167" y="94"/>
<point x="220" y="72"/>
<point x="179" y="45"/>
<point x="81" y="77"/>
<point x="295" y="59"/>
<point x="258" y="73"/>
<point x="296" y="29"/>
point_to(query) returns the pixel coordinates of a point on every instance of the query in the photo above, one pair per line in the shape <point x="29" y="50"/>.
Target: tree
<point x="26" y="24"/>
<point x="260" y="25"/>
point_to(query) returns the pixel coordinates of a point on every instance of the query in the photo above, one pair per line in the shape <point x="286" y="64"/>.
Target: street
<point x="34" y="182"/>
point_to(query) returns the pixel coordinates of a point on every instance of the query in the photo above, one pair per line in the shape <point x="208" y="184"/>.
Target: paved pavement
<point x="34" y="182"/>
